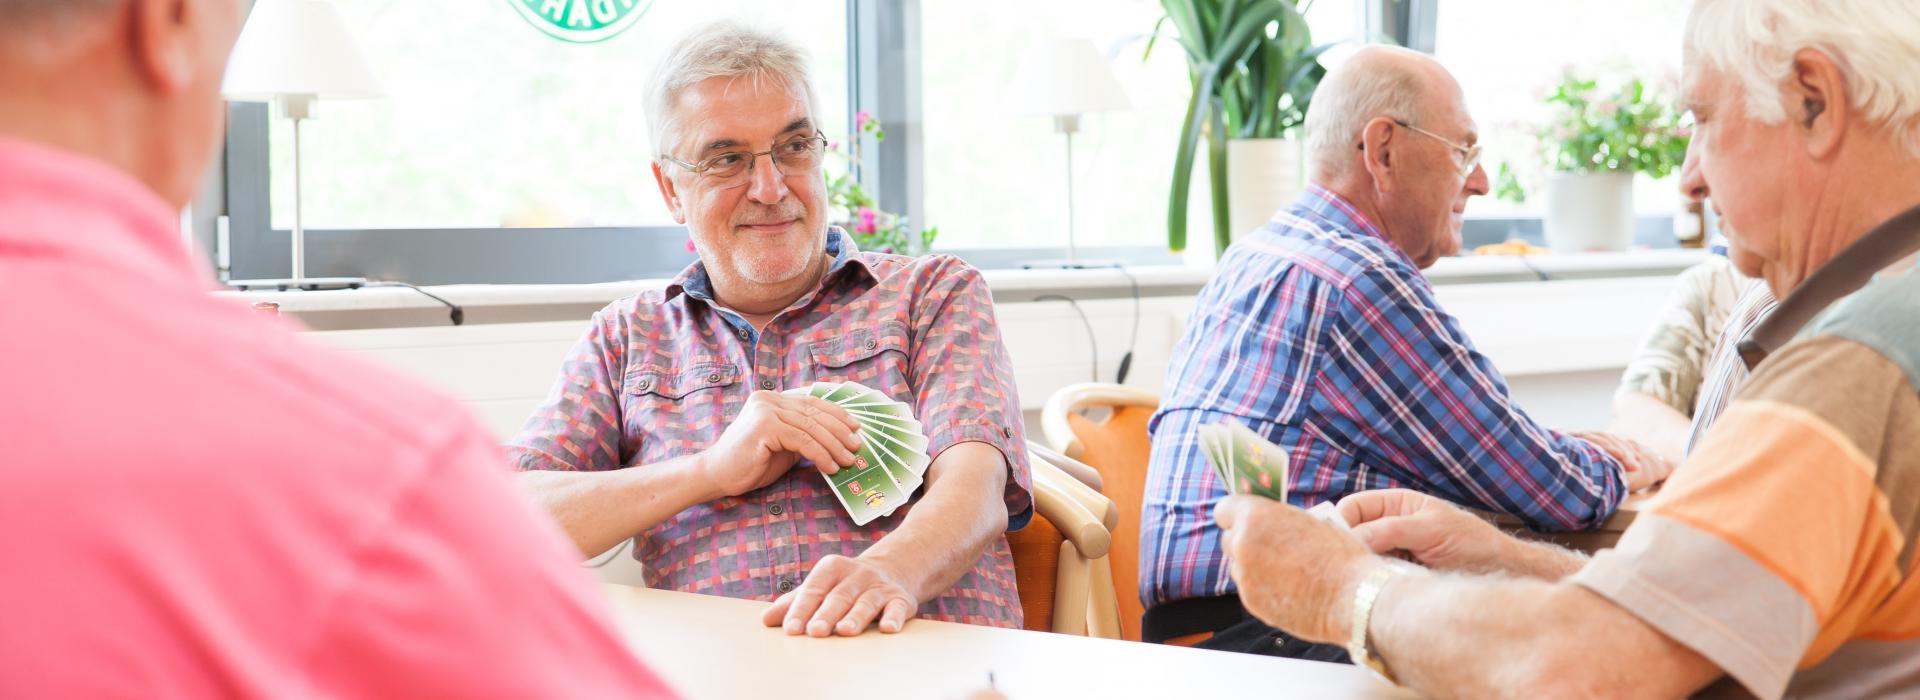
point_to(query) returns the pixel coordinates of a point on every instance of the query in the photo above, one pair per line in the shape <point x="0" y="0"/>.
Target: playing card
<point x="866" y="488"/>
<point x="821" y="389"/>
<point x="911" y="448"/>
<point x="847" y="391"/>
<point x="1331" y="513"/>
<point x="899" y="463"/>
<point x="1260" y="467"/>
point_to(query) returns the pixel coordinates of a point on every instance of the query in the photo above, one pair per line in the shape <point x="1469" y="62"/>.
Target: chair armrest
<point x="1055" y="500"/>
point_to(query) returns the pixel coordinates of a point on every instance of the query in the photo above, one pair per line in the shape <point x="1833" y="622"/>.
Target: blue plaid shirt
<point x="1322" y="336"/>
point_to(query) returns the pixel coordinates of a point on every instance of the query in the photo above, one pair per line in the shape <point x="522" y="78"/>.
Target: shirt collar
<point x="67" y="203"/>
<point x="695" y="283"/>
<point x="1331" y="208"/>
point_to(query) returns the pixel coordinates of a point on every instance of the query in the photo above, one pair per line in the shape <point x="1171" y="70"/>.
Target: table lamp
<point x="1065" y="78"/>
<point x="293" y="53"/>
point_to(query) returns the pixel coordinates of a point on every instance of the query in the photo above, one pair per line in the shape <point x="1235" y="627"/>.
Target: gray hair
<point x="1753" y="42"/>
<point x="723" y="49"/>
<point x="1351" y="95"/>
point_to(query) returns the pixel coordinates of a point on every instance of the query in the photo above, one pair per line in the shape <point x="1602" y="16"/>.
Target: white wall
<point x="1562" y="345"/>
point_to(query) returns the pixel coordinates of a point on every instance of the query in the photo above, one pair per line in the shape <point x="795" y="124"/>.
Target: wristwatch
<point x="1364" y="596"/>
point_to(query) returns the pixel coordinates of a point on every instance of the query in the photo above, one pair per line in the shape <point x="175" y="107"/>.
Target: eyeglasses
<point x="793" y="156"/>
<point x="1469" y="155"/>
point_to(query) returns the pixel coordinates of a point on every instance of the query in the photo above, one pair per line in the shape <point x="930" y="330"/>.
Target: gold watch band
<point x="1364" y="596"/>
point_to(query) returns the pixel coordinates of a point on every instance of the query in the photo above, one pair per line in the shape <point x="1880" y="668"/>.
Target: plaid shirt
<point x="1322" y="336"/>
<point x="662" y="374"/>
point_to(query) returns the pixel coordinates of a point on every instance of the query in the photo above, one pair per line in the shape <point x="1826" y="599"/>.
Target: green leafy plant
<point x="1625" y="127"/>
<point x="859" y="214"/>
<point x="1254" y="70"/>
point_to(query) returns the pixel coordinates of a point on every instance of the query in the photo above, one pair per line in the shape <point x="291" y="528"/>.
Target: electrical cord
<point x="455" y="313"/>
<point x="1083" y="321"/>
<point x="1133" y="339"/>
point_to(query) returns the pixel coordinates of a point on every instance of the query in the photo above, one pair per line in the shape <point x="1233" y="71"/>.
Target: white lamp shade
<point x="1063" y="77"/>
<point x="297" y="47"/>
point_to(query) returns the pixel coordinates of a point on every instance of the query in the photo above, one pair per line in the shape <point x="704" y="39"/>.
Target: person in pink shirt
<point x="197" y="502"/>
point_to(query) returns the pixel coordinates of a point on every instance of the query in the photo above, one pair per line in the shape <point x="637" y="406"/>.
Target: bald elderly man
<point x="1778" y="560"/>
<point x="197" y="502"/>
<point x="1319" y="332"/>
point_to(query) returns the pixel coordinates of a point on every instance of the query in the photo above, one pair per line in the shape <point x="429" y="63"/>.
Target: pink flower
<point x="833" y="145"/>
<point x="690" y="247"/>
<point x="867" y="223"/>
<point x="860" y="119"/>
<point x="887" y="249"/>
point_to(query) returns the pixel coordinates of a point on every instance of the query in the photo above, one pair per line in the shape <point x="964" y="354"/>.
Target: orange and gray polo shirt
<point x="1783" y="550"/>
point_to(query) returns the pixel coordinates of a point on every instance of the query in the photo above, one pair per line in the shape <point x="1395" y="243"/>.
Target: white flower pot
<point x="1589" y="212"/>
<point x="1263" y="177"/>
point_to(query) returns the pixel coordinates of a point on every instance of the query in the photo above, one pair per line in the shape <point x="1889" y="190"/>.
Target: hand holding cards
<point x="1250" y="465"/>
<point x="892" y="460"/>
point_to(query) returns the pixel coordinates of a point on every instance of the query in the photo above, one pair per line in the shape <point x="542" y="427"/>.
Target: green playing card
<point x="849" y="390"/>
<point x="866" y="488"/>
<point x="1260" y="467"/>
<point x="899" y="463"/>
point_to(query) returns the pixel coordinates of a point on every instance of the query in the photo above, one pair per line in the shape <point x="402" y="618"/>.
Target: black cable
<point x="1537" y="272"/>
<point x="1083" y="321"/>
<point x="457" y="314"/>
<point x="1133" y="340"/>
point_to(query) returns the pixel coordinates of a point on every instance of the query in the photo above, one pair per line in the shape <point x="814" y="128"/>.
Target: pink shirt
<point x="197" y="502"/>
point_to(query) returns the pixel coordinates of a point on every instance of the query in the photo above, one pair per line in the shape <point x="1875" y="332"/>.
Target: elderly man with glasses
<point x="1319" y="332"/>
<point x="667" y="424"/>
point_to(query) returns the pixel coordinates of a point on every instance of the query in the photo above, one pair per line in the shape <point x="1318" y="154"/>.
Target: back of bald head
<point x="1377" y="81"/>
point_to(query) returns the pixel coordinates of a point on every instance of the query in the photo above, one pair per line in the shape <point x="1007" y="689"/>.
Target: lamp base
<point x="1068" y="264"/>
<point x="306" y="283"/>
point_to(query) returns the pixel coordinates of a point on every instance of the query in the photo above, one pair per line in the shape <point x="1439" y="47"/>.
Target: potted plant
<point x="859" y="214"/>
<point x="1253" y="69"/>
<point x="1598" y="137"/>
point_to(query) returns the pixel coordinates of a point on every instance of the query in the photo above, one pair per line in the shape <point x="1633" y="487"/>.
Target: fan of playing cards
<point x="892" y="460"/>
<point x="1250" y="465"/>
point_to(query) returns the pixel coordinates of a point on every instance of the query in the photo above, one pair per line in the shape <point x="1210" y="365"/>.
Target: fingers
<point x="895" y="617"/>
<point x="862" y="613"/>
<point x="1383" y="536"/>
<point x="833" y="608"/>
<point x="835" y="412"/>
<point x="1232" y="510"/>
<point x="776" y="613"/>
<point x="805" y="601"/>
<point x="1368" y="506"/>
<point x="789" y="438"/>
<point x="830" y="434"/>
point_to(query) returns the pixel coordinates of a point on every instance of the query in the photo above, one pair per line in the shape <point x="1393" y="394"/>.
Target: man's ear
<point x="670" y="193"/>
<point x="1376" y="151"/>
<point x="1816" y="98"/>
<point x="162" y="34"/>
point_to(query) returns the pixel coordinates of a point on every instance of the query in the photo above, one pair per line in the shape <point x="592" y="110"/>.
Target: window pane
<point x="488" y="122"/>
<point x="1508" y="64"/>
<point x="996" y="178"/>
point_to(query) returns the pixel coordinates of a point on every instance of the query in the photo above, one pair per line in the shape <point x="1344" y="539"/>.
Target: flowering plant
<point x="856" y="211"/>
<point x="1627" y="128"/>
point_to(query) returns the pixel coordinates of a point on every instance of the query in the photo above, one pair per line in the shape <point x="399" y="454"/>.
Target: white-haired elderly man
<point x="667" y="424"/>
<point x="1319" y="331"/>
<point x="1779" y="559"/>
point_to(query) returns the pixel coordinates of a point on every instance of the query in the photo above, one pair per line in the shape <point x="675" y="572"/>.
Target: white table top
<point x="710" y="647"/>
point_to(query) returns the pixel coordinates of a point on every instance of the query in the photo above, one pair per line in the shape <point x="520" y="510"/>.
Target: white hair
<point x="723" y="49"/>
<point x="1874" y="43"/>
<point x="1351" y="95"/>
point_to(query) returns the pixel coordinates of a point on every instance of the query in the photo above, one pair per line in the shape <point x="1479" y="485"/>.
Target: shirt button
<point x="644" y="383"/>
<point x="776" y="509"/>
<point x="746" y="334"/>
<point x="871" y="343"/>
<point x="766" y="384"/>
<point x="713" y="378"/>
<point x="786" y="585"/>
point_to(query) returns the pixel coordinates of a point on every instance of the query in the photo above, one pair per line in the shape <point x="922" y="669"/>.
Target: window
<point x="997" y="179"/>
<point x="1491" y="45"/>
<point x="489" y="123"/>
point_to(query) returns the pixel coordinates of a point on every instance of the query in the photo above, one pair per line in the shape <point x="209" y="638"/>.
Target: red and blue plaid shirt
<point x="662" y="374"/>
<point x="1322" y="336"/>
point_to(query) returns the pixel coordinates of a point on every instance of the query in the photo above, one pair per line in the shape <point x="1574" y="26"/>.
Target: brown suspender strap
<point x="1845" y="274"/>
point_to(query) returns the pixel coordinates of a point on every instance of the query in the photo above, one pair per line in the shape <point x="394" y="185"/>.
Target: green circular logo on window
<point x="581" y="21"/>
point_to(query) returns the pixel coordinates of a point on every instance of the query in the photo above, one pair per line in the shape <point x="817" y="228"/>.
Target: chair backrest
<point x="1105" y="426"/>
<point x="1054" y="556"/>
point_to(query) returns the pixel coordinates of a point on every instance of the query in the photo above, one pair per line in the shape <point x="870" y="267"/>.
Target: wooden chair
<point x="1060" y="558"/>
<point x="1105" y="427"/>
